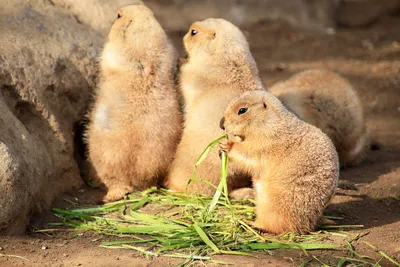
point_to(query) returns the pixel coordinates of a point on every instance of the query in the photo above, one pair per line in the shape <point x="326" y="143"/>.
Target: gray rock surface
<point x="47" y="72"/>
<point x="98" y="14"/>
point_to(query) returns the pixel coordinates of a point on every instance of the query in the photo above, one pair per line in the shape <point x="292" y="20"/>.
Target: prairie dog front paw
<point x="225" y="145"/>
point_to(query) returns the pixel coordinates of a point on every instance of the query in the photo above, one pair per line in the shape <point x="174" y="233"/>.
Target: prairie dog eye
<point x="242" y="111"/>
<point x="119" y="15"/>
<point x="193" y="32"/>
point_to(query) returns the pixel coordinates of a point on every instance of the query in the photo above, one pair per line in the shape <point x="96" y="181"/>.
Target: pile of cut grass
<point x="196" y="227"/>
<point x="162" y="223"/>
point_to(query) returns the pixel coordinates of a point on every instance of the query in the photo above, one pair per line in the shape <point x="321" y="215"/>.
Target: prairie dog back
<point x="135" y="121"/>
<point x="329" y="102"/>
<point x="294" y="165"/>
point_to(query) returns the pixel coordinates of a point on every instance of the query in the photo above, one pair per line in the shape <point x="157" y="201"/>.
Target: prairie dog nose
<point x="221" y="123"/>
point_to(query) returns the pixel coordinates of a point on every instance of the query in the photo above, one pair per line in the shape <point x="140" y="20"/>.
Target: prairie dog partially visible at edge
<point x="327" y="101"/>
<point x="294" y="165"/>
<point x="135" y="124"/>
<point x="220" y="67"/>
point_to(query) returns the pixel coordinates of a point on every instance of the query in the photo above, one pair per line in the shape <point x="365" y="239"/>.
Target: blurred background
<point x="178" y="14"/>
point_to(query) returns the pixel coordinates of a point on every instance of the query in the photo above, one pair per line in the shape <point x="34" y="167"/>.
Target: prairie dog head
<point x="215" y="37"/>
<point x="252" y="114"/>
<point x="135" y="34"/>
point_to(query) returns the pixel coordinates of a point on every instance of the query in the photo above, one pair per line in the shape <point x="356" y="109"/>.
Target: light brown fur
<point x="135" y="122"/>
<point x="327" y="101"/>
<point x="220" y="67"/>
<point x="294" y="165"/>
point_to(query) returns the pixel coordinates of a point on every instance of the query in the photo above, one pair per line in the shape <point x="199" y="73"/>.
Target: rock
<point x="23" y="164"/>
<point x="98" y="14"/>
<point x="47" y="74"/>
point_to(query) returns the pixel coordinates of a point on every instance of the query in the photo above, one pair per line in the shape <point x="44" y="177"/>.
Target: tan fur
<point x="294" y="165"/>
<point x="220" y="67"/>
<point x="135" y="123"/>
<point x="329" y="102"/>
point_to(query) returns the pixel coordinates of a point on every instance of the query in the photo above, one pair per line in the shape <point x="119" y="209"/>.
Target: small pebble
<point x="330" y="31"/>
<point x="367" y="44"/>
<point x="44" y="247"/>
<point x="61" y="244"/>
<point x="281" y="67"/>
<point x="291" y="36"/>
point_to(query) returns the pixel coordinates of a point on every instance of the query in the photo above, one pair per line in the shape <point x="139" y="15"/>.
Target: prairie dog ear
<point x="213" y="35"/>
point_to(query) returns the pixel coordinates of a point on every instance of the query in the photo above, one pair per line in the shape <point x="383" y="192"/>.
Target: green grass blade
<point x="140" y="204"/>
<point x="224" y="174"/>
<point x="193" y="257"/>
<point x="215" y="199"/>
<point x="227" y="252"/>
<point x="203" y="156"/>
<point x="124" y="242"/>
<point x="13" y="256"/>
<point x="268" y="246"/>
<point x="147" y="229"/>
<point x="205" y="238"/>
<point x="383" y="254"/>
<point x="207" y="150"/>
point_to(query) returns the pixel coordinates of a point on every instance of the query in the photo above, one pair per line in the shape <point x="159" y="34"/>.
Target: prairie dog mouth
<point x="235" y="138"/>
<point x="238" y="138"/>
<point x="126" y="29"/>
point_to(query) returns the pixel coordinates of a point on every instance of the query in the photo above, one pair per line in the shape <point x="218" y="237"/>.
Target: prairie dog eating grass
<point x="294" y="165"/>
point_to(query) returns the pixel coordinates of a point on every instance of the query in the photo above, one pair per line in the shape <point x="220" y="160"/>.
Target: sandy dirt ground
<point x="370" y="58"/>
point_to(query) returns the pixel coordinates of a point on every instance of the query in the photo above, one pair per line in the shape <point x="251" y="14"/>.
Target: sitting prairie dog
<point x="327" y="101"/>
<point x="294" y="165"/>
<point x="219" y="68"/>
<point x="135" y="124"/>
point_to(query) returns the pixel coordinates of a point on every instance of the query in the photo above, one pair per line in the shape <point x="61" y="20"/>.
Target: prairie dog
<point x="220" y="67"/>
<point x="294" y="165"/>
<point x="135" y="124"/>
<point x="327" y="101"/>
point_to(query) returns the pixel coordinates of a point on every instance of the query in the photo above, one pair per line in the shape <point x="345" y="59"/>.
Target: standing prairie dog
<point x="220" y="67"/>
<point x="327" y="101"/>
<point x="294" y="165"/>
<point x="135" y="122"/>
